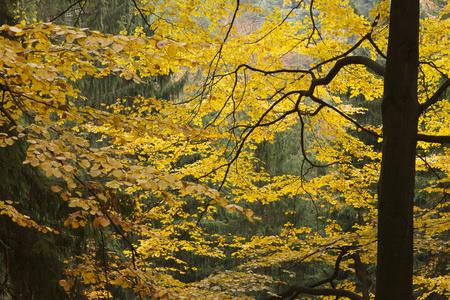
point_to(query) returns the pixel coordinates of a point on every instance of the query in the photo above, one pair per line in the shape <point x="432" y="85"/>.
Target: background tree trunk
<point x="400" y="110"/>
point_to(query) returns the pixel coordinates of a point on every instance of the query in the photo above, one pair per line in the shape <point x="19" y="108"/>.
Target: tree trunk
<point x="400" y="110"/>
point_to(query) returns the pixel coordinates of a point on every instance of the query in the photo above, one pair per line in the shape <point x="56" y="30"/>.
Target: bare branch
<point x="268" y="72"/>
<point x="438" y="139"/>
<point x="336" y="270"/>
<point x="349" y="60"/>
<point x="314" y="29"/>
<point x="345" y="61"/>
<point x="353" y="48"/>
<point x="141" y="13"/>
<point x="64" y="11"/>
<point x="8" y="115"/>
<point x="81" y="4"/>
<point x="377" y="48"/>
<point x="314" y="291"/>
<point x="434" y="66"/>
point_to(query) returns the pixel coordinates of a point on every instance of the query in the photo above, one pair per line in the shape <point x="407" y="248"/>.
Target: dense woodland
<point x="253" y="149"/>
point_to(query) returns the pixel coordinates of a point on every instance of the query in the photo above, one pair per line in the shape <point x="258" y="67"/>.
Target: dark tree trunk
<point x="400" y="110"/>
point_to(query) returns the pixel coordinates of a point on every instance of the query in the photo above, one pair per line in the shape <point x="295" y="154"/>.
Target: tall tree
<point x="400" y="112"/>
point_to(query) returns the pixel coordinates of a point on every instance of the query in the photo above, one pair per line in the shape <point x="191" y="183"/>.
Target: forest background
<point x="224" y="150"/>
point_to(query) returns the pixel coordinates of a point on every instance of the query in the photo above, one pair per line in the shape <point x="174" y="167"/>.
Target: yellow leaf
<point x="172" y="50"/>
<point x="247" y="212"/>
<point x="104" y="222"/>
<point x="34" y="161"/>
<point x="95" y="173"/>
<point x="56" y="189"/>
<point x="45" y="165"/>
<point x="96" y="222"/>
<point x="85" y="163"/>
<point x="39" y="47"/>
<point x="161" y="44"/>
<point x="128" y="75"/>
<point x="68" y="168"/>
<point x="57" y="173"/>
<point x="117" y="47"/>
<point x="62" y="282"/>
<point x="232" y="207"/>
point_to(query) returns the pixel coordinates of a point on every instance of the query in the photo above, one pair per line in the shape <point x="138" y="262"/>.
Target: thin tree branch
<point x="267" y="72"/>
<point x="434" y="66"/>
<point x="313" y="290"/>
<point x="66" y="10"/>
<point x="281" y="23"/>
<point x="342" y="114"/>
<point x="8" y="115"/>
<point x="314" y="29"/>
<point x="345" y="61"/>
<point x="302" y="146"/>
<point x="93" y="193"/>
<point x="377" y="48"/>
<point x="141" y="13"/>
<point x="336" y="270"/>
<point x="81" y="10"/>
<point x="354" y="47"/>
<point x="435" y="97"/>
<point x="105" y="266"/>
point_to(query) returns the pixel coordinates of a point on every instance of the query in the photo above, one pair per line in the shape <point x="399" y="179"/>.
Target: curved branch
<point x="349" y="60"/>
<point x="355" y="46"/>
<point x="8" y="115"/>
<point x="302" y="146"/>
<point x="345" y="61"/>
<point x="336" y="270"/>
<point x="314" y="291"/>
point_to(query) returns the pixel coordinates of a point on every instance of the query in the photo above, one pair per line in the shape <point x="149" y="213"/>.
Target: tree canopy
<point x="307" y="157"/>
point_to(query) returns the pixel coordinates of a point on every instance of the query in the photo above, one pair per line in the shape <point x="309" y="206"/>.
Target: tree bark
<point x="400" y="110"/>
